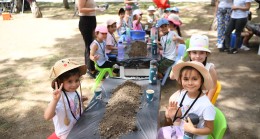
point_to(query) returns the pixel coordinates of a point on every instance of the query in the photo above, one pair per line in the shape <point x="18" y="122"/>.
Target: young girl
<point x="174" y="23"/>
<point x="121" y="23"/>
<point x="66" y="105"/>
<point x="193" y="78"/>
<point x="129" y="16"/>
<point x="169" y="44"/>
<point x="199" y="51"/>
<point x="137" y="17"/>
<point x="111" y="43"/>
<point x="97" y="49"/>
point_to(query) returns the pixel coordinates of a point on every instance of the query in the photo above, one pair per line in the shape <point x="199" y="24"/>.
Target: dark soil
<point x="120" y="115"/>
<point x="138" y="49"/>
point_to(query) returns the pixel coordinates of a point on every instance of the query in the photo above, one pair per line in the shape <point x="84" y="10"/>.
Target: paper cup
<point x="149" y="94"/>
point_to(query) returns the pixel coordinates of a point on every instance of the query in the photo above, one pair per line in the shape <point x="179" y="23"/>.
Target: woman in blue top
<point x="238" y="21"/>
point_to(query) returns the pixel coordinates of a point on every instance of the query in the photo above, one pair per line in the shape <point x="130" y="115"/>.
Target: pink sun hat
<point x="174" y="18"/>
<point x="101" y="29"/>
<point x="199" y="43"/>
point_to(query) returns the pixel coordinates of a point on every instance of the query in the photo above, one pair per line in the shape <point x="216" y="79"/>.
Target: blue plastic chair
<point x="181" y="52"/>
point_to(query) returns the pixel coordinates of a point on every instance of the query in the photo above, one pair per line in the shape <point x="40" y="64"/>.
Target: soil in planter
<point x="138" y="49"/>
<point x="121" y="110"/>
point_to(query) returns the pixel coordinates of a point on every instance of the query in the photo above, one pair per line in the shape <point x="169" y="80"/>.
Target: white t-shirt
<point x="122" y="29"/>
<point x="202" y="107"/>
<point x="236" y="14"/>
<point x="58" y="120"/>
<point x="225" y="3"/>
<point x="100" y="51"/>
<point x="169" y="46"/>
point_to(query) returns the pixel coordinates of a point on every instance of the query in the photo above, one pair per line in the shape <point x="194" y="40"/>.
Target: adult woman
<point x="223" y="12"/>
<point x="238" y="21"/>
<point x="87" y="24"/>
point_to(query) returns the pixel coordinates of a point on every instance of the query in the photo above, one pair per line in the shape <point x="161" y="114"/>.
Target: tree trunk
<point x="213" y="2"/>
<point x="66" y="4"/>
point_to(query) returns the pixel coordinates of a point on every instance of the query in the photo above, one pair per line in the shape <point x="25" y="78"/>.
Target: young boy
<point x="137" y="16"/>
<point x="169" y="43"/>
<point x="129" y="16"/>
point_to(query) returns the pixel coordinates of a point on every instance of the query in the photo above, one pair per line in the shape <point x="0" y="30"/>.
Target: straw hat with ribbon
<point x="208" y="83"/>
<point x="61" y="67"/>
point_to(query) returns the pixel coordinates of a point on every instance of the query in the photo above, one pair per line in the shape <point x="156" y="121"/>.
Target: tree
<point x="66" y="4"/>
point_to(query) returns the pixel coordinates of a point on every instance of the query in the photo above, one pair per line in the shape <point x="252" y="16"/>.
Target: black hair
<point x="190" y="68"/>
<point x="60" y="79"/>
<point x="121" y="11"/>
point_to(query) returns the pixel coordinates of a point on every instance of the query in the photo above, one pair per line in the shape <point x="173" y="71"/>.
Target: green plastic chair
<point x="101" y="74"/>
<point x="187" y="43"/>
<point x="220" y="125"/>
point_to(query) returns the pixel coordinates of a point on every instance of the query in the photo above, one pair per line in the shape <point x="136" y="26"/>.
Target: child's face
<point x="122" y="15"/>
<point x="128" y="12"/>
<point x="72" y="83"/>
<point x="164" y="28"/>
<point x="171" y="26"/>
<point x="191" y="80"/>
<point x="112" y="28"/>
<point x="199" y="56"/>
<point x="101" y="36"/>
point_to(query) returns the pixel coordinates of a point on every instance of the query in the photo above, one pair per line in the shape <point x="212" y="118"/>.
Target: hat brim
<point x="198" y="49"/>
<point x="178" y="23"/>
<point x="82" y="69"/>
<point x="208" y="83"/>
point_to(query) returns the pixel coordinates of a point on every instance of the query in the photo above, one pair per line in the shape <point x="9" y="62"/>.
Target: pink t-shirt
<point x="138" y="26"/>
<point x="110" y="41"/>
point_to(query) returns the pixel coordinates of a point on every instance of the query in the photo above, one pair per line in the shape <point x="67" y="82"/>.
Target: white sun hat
<point x="199" y="43"/>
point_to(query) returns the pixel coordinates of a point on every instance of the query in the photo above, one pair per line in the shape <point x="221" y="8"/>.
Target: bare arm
<point x="243" y="8"/>
<point x="214" y="77"/>
<point x="111" y="47"/>
<point x="216" y="7"/>
<point x="50" y="110"/>
<point x="93" y="50"/>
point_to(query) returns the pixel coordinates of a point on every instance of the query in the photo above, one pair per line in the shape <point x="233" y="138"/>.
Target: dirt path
<point x="29" y="47"/>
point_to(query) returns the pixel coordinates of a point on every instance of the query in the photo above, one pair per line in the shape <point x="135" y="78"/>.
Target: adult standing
<point x="87" y="24"/>
<point x="132" y="3"/>
<point x="223" y="12"/>
<point x="238" y="21"/>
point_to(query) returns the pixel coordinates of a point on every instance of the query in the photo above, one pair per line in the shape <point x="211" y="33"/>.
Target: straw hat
<point x="208" y="83"/>
<point x="199" y="43"/>
<point x="63" y="66"/>
<point x="151" y="8"/>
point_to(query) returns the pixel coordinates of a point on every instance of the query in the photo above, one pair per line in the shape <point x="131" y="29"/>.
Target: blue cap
<point x="162" y="21"/>
<point x="168" y="9"/>
<point x="175" y="9"/>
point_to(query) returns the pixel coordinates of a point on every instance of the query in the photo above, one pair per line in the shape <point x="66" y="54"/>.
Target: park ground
<point x="30" y="46"/>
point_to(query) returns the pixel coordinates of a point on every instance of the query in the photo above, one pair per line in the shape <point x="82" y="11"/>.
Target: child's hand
<point x="188" y="126"/>
<point x="57" y="92"/>
<point x="234" y="7"/>
<point x="84" y="98"/>
<point x="171" y="109"/>
<point x="96" y="57"/>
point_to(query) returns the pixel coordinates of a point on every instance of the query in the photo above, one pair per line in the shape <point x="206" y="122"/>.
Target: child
<point x="111" y="43"/>
<point x="199" y="51"/>
<point x="174" y="23"/>
<point x="129" y="16"/>
<point x="97" y="50"/>
<point x="121" y="23"/>
<point x="137" y="17"/>
<point x="193" y="78"/>
<point x="66" y="105"/>
<point x="151" y="17"/>
<point x="169" y="42"/>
